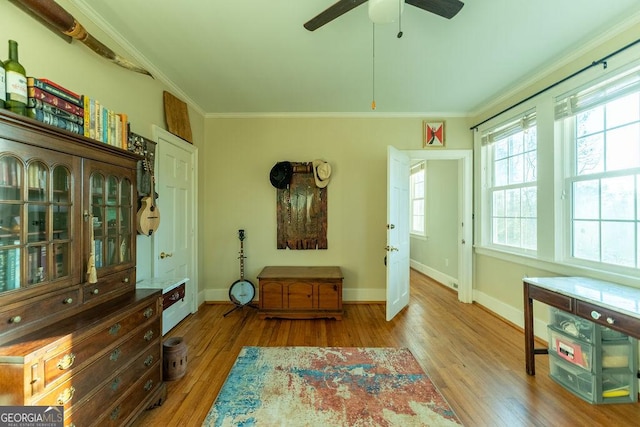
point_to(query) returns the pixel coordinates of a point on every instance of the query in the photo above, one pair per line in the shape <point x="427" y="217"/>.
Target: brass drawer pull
<point x="66" y="396"/>
<point x="115" y="383"/>
<point x="148" y="336"/>
<point x="125" y="280"/>
<point x="96" y="291"/>
<point x="611" y="320"/>
<point x="15" y="319"/>
<point x="148" y="361"/>
<point x="595" y="315"/>
<point x="148" y="386"/>
<point x="148" y="313"/>
<point x="115" y="355"/>
<point x="67" y="301"/>
<point x="115" y="329"/>
<point x="115" y="413"/>
<point x="66" y="361"/>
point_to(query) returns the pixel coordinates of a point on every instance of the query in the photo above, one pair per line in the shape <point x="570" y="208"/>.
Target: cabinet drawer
<point x="67" y="358"/>
<point x="554" y="299"/>
<point x="78" y="387"/>
<point x="37" y="310"/>
<point x="173" y="296"/>
<point x="611" y="319"/>
<point x="108" y="285"/>
<point x="136" y="395"/>
<point x="576" y="380"/>
<point x="571" y="349"/>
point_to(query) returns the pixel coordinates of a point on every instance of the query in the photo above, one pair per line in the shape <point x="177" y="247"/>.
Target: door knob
<point x="164" y="255"/>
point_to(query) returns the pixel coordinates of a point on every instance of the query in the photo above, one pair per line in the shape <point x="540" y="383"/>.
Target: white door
<point x="175" y="242"/>
<point x="397" y="231"/>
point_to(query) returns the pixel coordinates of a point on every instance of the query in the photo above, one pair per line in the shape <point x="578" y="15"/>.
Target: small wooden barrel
<point x="174" y="364"/>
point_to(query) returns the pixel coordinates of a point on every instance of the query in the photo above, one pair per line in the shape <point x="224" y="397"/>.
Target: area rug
<point x="328" y="386"/>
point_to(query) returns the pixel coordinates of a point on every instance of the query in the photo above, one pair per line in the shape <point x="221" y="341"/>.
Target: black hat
<point x="281" y="174"/>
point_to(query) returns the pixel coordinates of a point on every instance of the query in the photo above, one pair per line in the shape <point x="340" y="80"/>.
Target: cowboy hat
<point x="280" y="175"/>
<point x="321" y="172"/>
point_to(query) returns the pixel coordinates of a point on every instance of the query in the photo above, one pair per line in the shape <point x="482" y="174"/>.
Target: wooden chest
<point x="301" y="292"/>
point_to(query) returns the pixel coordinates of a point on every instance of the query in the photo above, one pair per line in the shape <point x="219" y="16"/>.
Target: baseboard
<point x="509" y="313"/>
<point x="438" y="276"/>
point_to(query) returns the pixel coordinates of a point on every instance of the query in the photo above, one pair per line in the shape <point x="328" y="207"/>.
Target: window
<point x="601" y="136"/>
<point x="511" y="183"/>
<point x="417" y="183"/>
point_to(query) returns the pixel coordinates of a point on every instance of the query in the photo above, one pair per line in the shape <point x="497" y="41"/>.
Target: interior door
<point x="397" y="258"/>
<point x="175" y="243"/>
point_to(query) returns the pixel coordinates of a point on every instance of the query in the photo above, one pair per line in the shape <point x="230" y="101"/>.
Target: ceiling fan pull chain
<point x="400" y="18"/>
<point x="373" y="66"/>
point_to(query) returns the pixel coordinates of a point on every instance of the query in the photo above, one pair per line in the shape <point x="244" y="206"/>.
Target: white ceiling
<point x="254" y="56"/>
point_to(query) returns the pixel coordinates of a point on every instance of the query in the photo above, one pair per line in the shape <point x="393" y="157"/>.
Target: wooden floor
<point x="475" y="359"/>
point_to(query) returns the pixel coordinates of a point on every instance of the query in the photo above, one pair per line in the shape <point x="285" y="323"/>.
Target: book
<point x="36" y="94"/>
<point x="86" y="101"/>
<point x="13" y="268"/>
<point x="52" y="119"/>
<point x="55" y="89"/>
<point x="40" y="105"/>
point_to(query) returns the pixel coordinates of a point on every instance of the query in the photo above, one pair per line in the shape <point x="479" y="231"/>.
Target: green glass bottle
<point x="16" y="82"/>
<point x="3" y="87"/>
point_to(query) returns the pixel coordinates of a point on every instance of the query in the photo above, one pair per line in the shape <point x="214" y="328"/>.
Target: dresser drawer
<point x="75" y="390"/>
<point x="66" y="358"/>
<point x="609" y="318"/>
<point x="107" y="285"/>
<point x="137" y="395"/>
<point x="173" y="296"/>
<point x="36" y="311"/>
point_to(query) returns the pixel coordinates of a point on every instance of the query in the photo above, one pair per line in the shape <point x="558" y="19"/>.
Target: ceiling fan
<point x="445" y="8"/>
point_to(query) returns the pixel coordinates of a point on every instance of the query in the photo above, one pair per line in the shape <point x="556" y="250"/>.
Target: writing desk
<point x="614" y="306"/>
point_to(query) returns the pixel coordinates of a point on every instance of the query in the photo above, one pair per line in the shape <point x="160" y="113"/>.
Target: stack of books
<point x="55" y="105"/>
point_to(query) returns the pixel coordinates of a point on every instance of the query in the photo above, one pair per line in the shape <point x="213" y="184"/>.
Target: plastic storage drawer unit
<point x="570" y="349"/>
<point x="580" y="328"/>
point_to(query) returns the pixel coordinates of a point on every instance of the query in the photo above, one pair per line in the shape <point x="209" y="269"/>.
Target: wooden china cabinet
<point x="67" y="204"/>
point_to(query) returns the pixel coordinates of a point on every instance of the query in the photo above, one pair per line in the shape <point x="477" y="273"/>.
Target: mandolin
<point x="148" y="215"/>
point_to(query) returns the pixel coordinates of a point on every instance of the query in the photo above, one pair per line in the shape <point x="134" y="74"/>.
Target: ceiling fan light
<point x="385" y="11"/>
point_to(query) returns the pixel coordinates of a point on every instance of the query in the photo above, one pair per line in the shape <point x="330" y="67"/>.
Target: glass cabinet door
<point x="11" y="215"/>
<point x="35" y="219"/>
<point x="111" y="204"/>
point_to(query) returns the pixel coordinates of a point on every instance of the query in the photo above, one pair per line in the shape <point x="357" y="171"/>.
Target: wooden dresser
<point x="103" y="366"/>
<point x="301" y="292"/>
<point x="67" y="204"/>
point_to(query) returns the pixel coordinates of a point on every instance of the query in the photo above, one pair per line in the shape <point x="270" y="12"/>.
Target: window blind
<point x="593" y="95"/>
<point x="510" y="127"/>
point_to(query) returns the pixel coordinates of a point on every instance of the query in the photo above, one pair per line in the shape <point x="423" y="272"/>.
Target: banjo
<point x="242" y="291"/>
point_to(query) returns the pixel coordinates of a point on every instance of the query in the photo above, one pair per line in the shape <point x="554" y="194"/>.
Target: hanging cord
<point x="400" y="18"/>
<point x="373" y="67"/>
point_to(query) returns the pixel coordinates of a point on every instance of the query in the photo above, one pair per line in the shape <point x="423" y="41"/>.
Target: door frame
<point x="465" y="206"/>
<point x="157" y="134"/>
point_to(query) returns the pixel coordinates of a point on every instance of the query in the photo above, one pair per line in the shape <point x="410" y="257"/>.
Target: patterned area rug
<point x="328" y="386"/>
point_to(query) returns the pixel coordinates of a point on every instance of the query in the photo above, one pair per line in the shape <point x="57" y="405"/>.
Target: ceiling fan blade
<point x="328" y="15"/>
<point x="445" y="8"/>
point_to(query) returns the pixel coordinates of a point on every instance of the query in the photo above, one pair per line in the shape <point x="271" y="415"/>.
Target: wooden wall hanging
<point x="302" y="211"/>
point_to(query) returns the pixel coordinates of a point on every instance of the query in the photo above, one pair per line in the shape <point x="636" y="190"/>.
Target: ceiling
<point x="255" y="56"/>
